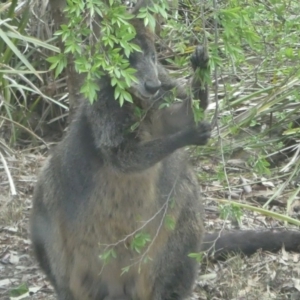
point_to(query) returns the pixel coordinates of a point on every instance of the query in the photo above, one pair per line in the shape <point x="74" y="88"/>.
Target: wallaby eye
<point x="153" y="57"/>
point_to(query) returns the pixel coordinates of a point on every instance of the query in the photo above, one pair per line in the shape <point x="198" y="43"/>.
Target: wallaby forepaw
<point x="203" y="133"/>
<point x="200" y="57"/>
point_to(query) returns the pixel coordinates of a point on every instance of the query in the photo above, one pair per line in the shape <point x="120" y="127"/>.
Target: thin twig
<point x="10" y="180"/>
<point x="25" y="128"/>
<point x="215" y="118"/>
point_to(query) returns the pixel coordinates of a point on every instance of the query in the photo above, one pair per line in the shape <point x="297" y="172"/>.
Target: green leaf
<point x="89" y="89"/>
<point x="139" y="241"/>
<point x="19" y="291"/>
<point x="125" y="270"/>
<point x="197" y="256"/>
<point x="33" y="41"/>
<point x="108" y="255"/>
<point x="134" y="126"/>
<point x="117" y="94"/>
<point x="170" y="222"/>
<point x="16" y="51"/>
<point x="62" y="63"/>
<point x="289" y="52"/>
<point x="127" y="96"/>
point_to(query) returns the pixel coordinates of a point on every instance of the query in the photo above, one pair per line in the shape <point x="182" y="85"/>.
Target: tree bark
<point x="74" y="80"/>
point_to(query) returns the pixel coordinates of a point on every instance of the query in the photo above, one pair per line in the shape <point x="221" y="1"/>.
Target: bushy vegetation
<point x="23" y="68"/>
<point x="254" y="53"/>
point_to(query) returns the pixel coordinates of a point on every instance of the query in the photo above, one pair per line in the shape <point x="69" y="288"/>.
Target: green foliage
<point x="198" y="111"/>
<point x="231" y="211"/>
<point x="147" y="13"/>
<point x="18" y="73"/>
<point x="58" y="63"/>
<point x="108" y="255"/>
<point x="125" y="270"/>
<point x="19" y="291"/>
<point x="261" y="165"/>
<point x="140" y="114"/>
<point x="197" y="256"/>
<point x="139" y="241"/>
<point x="107" y="53"/>
<point x="94" y="56"/>
<point x="237" y="29"/>
<point x="170" y="222"/>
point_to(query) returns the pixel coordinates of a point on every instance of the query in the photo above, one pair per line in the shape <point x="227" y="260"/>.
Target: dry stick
<point x="26" y="129"/>
<point x="10" y="180"/>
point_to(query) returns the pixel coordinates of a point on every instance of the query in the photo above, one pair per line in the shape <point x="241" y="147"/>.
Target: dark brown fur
<point x="103" y="183"/>
<point x="220" y="245"/>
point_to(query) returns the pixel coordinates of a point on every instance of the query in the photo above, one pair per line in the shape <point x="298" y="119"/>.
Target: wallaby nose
<point x="152" y="86"/>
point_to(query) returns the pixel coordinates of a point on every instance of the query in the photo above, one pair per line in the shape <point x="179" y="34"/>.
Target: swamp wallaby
<point x="106" y="186"/>
<point x="116" y="212"/>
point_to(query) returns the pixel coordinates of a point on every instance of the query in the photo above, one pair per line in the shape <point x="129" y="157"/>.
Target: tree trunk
<point x="74" y="80"/>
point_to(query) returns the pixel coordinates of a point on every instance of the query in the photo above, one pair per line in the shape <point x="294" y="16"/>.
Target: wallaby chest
<point x="121" y="203"/>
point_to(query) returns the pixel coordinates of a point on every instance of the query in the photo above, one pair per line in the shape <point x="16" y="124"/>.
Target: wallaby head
<point x="145" y="63"/>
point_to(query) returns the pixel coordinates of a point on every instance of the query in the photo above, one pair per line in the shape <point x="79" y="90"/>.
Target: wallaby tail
<point x="219" y="245"/>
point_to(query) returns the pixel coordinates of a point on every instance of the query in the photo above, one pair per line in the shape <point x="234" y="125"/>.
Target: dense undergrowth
<point x="255" y="86"/>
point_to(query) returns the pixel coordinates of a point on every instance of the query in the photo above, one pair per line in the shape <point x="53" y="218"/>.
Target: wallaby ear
<point x="139" y="5"/>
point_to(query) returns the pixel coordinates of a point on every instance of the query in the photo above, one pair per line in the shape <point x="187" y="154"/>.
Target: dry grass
<point x="263" y="276"/>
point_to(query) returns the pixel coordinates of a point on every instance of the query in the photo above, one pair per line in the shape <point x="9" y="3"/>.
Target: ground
<point x="262" y="276"/>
